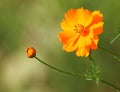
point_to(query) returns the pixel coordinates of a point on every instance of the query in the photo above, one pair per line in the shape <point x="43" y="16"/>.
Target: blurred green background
<point x="25" y="23"/>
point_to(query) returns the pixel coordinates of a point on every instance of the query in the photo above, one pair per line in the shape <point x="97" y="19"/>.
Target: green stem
<point x="118" y="58"/>
<point x="118" y="35"/>
<point x="91" y="59"/>
<point x="54" y="68"/>
<point x="110" y="85"/>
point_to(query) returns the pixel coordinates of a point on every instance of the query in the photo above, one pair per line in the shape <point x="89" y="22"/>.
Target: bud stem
<point x="54" y="68"/>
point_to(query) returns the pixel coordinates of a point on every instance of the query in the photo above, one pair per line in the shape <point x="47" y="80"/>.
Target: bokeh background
<point x="25" y="23"/>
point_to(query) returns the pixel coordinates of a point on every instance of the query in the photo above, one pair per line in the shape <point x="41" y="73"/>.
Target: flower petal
<point x="71" y="16"/>
<point x="84" y="17"/>
<point x="70" y="20"/>
<point x="94" y="44"/>
<point x="97" y="17"/>
<point x="84" y="41"/>
<point x="69" y="40"/>
<point x="66" y="26"/>
<point x="97" y="28"/>
<point x="82" y="52"/>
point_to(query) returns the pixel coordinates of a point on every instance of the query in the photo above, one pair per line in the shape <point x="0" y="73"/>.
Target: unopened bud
<point x="30" y="52"/>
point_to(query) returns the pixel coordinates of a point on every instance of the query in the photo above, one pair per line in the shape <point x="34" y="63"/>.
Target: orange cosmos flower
<point x="30" y="52"/>
<point x="81" y="28"/>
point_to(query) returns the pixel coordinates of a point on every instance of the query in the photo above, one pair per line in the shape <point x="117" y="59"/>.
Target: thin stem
<point x="91" y="59"/>
<point x="115" y="38"/>
<point x="54" y="68"/>
<point x="118" y="58"/>
<point x="110" y="85"/>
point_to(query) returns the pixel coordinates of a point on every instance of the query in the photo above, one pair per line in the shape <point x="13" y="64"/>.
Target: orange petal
<point x="84" y="17"/>
<point x="71" y="16"/>
<point x="83" y="46"/>
<point x="97" y="17"/>
<point x="66" y="36"/>
<point x="71" y="46"/>
<point x="82" y="52"/>
<point x="94" y="44"/>
<point x="69" y="40"/>
<point x="97" y="28"/>
<point x="84" y="41"/>
<point x="66" y="26"/>
<point x="70" y="20"/>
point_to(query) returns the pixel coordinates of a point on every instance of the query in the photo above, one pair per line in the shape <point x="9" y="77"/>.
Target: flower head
<point x="81" y="28"/>
<point x="30" y="52"/>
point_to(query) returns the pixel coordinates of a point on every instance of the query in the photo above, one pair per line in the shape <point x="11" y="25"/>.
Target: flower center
<point x="79" y="28"/>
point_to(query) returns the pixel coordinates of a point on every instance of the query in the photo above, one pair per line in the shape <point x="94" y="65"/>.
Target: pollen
<point x="79" y="28"/>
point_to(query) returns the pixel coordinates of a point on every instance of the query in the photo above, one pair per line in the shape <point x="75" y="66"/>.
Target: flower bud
<point x="30" y="52"/>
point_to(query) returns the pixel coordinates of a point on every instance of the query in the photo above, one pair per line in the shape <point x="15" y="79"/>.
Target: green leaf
<point x="93" y="73"/>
